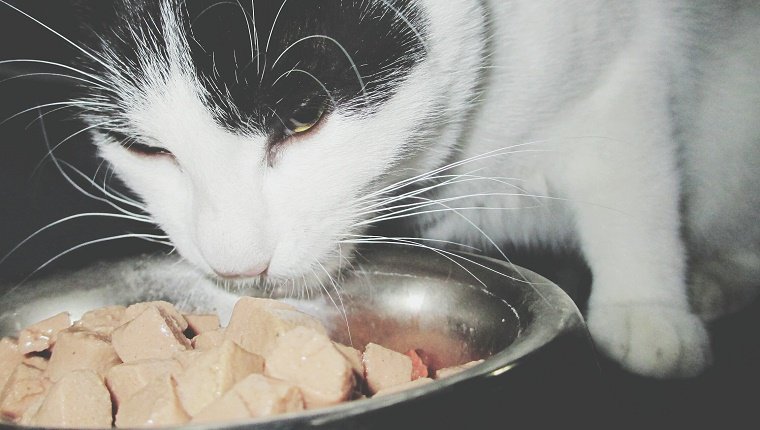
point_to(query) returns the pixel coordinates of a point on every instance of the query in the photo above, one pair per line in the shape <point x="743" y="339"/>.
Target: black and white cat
<point x="265" y="136"/>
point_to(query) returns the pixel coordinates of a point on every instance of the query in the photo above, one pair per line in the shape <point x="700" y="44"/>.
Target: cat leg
<point x="638" y="312"/>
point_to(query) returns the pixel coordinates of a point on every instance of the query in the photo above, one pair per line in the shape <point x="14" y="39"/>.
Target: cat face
<point x="255" y="134"/>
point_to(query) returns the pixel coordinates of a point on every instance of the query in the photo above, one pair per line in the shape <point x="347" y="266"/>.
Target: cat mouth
<point x="242" y="272"/>
<point x="248" y="275"/>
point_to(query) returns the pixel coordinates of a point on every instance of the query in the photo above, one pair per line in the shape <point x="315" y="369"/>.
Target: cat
<point x="265" y="138"/>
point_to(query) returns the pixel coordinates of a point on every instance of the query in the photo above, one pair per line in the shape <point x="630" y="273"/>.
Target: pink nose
<point x="252" y="273"/>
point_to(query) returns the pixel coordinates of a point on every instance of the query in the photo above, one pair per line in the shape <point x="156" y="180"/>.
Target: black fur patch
<point x="259" y="61"/>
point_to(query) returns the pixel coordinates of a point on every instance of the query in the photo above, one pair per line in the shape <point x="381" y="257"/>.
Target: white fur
<point x="582" y="90"/>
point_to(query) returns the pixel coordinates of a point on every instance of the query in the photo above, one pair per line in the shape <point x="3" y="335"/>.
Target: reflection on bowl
<point x="532" y="336"/>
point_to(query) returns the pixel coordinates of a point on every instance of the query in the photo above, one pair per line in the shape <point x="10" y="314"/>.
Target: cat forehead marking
<point x="255" y="62"/>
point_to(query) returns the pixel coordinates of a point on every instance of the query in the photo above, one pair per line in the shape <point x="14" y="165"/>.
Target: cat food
<point x="148" y="365"/>
<point x="42" y="335"/>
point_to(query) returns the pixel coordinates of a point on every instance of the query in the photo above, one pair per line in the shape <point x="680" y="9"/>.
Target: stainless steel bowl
<point x="539" y="358"/>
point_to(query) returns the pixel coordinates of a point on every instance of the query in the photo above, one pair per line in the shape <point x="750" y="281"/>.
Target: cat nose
<point x="250" y="273"/>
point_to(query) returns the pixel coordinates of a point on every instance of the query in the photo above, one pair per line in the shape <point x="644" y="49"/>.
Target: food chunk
<point x="40" y="336"/>
<point x="25" y="386"/>
<point x="156" y="405"/>
<point x="154" y="333"/>
<point x="127" y="379"/>
<point x="102" y="320"/>
<point x="229" y="407"/>
<point x="267" y="396"/>
<point x="213" y="373"/>
<point x="36" y="361"/>
<point x="255" y="396"/>
<point x="167" y="309"/>
<point x="256" y="324"/>
<point x="405" y="386"/>
<point x="448" y="371"/>
<point x="200" y="324"/>
<point x="354" y="357"/>
<point x="419" y="368"/>
<point x="208" y="340"/>
<point x="308" y="359"/>
<point x="10" y="357"/>
<point x="385" y="368"/>
<point x="81" y="350"/>
<point x="187" y="358"/>
<point x="79" y="400"/>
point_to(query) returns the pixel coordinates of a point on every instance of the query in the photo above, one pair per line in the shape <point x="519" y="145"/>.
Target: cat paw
<point x="708" y="298"/>
<point x="650" y="340"/>
<point x="716" y="290"/>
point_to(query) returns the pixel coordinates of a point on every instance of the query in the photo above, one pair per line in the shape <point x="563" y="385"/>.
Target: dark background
<point x="33" y="193"/>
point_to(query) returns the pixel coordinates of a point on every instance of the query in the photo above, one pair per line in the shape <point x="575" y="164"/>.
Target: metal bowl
<point x="538" y="355"/>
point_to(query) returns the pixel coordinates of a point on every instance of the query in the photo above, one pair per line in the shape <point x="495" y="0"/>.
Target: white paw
<point x="651" y="340"/>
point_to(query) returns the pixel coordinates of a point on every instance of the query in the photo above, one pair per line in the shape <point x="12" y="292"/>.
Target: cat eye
<point x="305" y="118"/>
<point x="139" y="148"/>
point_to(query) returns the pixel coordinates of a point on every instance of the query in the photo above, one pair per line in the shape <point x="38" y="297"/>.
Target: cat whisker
<point x="160" y="242"/>
<point x="108" y="190"/>
<point x="64" y="38"/>
<point x="406" y="21"/>
<point x="433" y="174"/>
<point x="251" y="33"/>
<point x="456" y="211"/>
<point x="46" y="113"/>
<point x="490" y="240"/>
<point x="410" y="212"/>
<point x="340" y="46"/>
<point x="102" y="83"/>
<point x="451" y="256"/>
<point x="90" y="243"/>
<point x="426" y="202"/>
<point x="384" y="200"/>
<point x="213" y="5"/>
<point x="444" y="242"/>
<point x="344" y="263"/>
<point x="444" y="210"/>
<point x="274" y="24"/>
<point x="508" y="150"/>
<point x="60" y="75"/>
<point x="320" y="83"/>
<point x="255" y="38"/>
<point x="443" y="253"/>
<point x="283" y="75"/>
<point x="342" y="307"/>
<point x="69" y="137"/>
<point x="72" y="182"/>
<point x="70" y="218"/>
<point x="111" y="195"/>
<point x="449" y="180"/>
<point x="119" y="196"/>
<point x="65" y="104"/>
<point x="279" y="118"/>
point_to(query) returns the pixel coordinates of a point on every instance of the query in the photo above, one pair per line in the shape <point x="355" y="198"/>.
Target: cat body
<point x="595" y="125"/>
<point x="622" y="104"/>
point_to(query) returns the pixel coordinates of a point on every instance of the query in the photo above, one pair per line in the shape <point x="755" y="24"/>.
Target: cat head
<point x="259" y="133"/>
